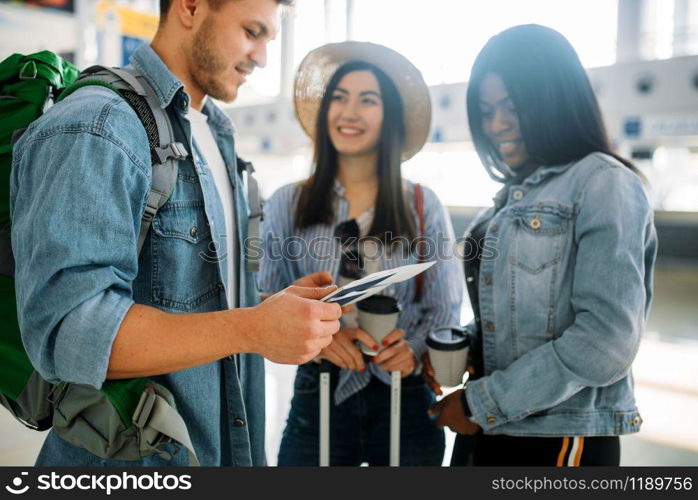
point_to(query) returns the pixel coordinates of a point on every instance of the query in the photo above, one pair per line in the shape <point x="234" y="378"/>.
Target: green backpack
<point x="126" y="419"/>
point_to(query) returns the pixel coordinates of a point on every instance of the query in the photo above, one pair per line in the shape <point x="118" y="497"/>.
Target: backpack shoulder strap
<point x="419" y="204"/>
<point x="256" y="212"/>
<point x="165" y="151"/>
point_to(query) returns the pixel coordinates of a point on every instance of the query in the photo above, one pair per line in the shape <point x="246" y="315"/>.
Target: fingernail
<point x="375" y="347"/>
<point x="385" y="342"/>
<point x="362" y="370"/>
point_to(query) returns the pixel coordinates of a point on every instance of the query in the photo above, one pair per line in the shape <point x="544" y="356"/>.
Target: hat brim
<point x="317" y="68"/>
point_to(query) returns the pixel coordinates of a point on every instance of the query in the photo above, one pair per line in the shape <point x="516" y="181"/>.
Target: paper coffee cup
<point x="448" y="353"/>
<point x="377" y="316"/>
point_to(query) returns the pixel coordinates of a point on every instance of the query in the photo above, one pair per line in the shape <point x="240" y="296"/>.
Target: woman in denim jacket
<point x="562" y="282"/>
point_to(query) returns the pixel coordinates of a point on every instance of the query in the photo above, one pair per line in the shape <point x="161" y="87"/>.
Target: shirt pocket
<point x="184" y="275"/>
<point x="539" y="236"/>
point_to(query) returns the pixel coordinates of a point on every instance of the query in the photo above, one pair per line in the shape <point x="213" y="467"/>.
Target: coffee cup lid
<point x="379" y="304"/>
<point x="448" y="338"/>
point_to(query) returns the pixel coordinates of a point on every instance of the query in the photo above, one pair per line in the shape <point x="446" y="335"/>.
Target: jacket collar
<point x="149" y="64"/>
<point x="538" y="176"/>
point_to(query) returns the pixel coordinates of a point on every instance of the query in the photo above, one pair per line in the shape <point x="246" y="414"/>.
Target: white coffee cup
<point x="377" y="315"/>
<point x="448" y="353"/>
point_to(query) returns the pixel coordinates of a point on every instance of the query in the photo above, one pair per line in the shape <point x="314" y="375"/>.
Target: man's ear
<point x="185" y="11"/>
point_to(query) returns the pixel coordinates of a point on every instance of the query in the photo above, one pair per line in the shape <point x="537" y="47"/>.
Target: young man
<point x="185" y="311"/>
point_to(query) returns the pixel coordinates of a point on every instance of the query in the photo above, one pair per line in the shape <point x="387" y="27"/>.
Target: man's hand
<point x="344" y="353"/>
<point x="293" y="326"/>
<point x="320" y="279"/>
<point x="452" y="415"/>
<point x="398" y="356"/>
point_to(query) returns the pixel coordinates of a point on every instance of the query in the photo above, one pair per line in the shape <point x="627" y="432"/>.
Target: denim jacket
<point x="79" y="182"/>
<point x="564" y="291"/>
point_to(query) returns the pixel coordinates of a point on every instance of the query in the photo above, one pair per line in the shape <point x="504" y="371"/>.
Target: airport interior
<point x="642" y="60"/>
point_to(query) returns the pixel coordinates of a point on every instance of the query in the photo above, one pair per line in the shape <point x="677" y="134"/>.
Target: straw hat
<point x="319" y="65"/>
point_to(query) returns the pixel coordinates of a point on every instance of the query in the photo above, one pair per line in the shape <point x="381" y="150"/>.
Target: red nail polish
<point x="385" y="342"/>
<point x="375" y="347"/>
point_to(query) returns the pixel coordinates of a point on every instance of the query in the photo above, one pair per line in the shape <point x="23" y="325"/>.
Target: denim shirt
<point x="79" y="183"/>
<point x="564" y="291"/>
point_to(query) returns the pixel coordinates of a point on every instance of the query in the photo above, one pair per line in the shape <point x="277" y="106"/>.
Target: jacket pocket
<point x="539" y="237"/>
<point x="184" y="277"/>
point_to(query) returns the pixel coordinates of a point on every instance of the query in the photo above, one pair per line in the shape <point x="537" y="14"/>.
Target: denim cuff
<point x="484" y="409"/>
<point x="84" y="339"/>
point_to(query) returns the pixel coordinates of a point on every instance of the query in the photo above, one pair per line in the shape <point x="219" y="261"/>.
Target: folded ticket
<point x="375" y="283"/>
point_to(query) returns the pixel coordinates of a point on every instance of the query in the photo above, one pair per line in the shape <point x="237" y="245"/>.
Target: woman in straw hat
<point x="367" y="109"/>
<point x="560" y="311"/>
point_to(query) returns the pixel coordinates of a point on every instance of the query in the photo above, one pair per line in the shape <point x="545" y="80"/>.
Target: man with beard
<point x="185" y="311"/>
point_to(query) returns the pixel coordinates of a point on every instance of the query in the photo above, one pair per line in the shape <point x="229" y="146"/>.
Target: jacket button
<point x="489" y="326"/>
<point x="494" y="228"/>
<point x="486" y="279"/>
<point x="490" y="420"/>
<point x="635" y="421"/>
<point x="518" y="195"/>
<point x="193" y="231"/>
<point x="238" y="422"/>
<point x="535" y="222"/>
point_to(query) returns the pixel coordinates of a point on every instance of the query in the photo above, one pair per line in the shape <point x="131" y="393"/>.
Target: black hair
<point x="558" y="113"/>
<point x="315" y="201"/>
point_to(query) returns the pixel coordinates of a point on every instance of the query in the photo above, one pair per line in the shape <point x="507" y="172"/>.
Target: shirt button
<point x="221" y="286"/>
<point x="470" y="279"/>
<point x="518" y="195"/>
<point x="486" y="280"/>
<point x="490" y="420"/>
<point x="489" y="326"/>
<point x="183" y="105"/>
<point x="635" y="421"/>
<point x="238" y="422"/>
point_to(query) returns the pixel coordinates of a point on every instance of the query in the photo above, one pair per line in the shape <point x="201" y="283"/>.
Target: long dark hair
<point x="558" y="113"/>
<point x="316" y="197"/>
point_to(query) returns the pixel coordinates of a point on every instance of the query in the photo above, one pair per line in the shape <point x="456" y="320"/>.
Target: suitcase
<point x="395" y="395"/>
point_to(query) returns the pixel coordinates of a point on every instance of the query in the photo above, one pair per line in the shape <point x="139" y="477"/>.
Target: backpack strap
<point x="155" y="416"/>
<point x="256" y="212"/>
<point x="165" y="151"/>
<point x="419" y="204"/>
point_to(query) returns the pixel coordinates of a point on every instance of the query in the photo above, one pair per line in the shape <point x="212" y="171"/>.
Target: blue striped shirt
<point x="290" y="254"/>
